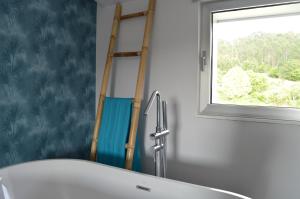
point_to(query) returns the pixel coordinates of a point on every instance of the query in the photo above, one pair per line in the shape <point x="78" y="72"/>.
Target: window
<point x="250" y="60"/>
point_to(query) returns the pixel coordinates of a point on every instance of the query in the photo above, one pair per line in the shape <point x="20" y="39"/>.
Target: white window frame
<point x="232" y="112"/>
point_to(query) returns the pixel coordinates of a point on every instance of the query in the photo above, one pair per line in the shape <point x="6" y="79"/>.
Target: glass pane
<point x="256" y="57"/>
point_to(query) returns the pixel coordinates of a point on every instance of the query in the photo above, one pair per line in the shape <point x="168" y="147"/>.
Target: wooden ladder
<point x="118" y="17"/>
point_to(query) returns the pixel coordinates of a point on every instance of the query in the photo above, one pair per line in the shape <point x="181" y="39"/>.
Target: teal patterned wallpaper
<point x="47" y="79"/>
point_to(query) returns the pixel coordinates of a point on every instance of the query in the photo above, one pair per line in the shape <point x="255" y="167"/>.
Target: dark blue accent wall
<point x="47" y="79"/>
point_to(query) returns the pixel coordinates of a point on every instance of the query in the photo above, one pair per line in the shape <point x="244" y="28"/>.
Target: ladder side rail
<point x="105" y="79"/>
<point x="139" y="86"/>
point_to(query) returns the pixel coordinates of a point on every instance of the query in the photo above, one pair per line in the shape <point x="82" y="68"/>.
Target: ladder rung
<point x="127" y="54"/>
<point x="137" y="14"/>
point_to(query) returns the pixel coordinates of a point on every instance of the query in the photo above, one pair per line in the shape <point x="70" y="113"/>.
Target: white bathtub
<point x="74" y="179"/>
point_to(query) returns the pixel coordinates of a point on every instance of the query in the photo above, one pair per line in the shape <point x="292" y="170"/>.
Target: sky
<point x="231" y="30"/>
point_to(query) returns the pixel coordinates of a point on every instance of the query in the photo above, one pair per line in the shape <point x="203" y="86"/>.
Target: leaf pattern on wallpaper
<point x="47" y="79"/>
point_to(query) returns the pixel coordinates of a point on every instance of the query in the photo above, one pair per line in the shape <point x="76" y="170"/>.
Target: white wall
<point x="255" y="159"/>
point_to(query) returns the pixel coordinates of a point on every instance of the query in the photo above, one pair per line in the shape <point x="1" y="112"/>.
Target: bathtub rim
<point x="80" y="161"/>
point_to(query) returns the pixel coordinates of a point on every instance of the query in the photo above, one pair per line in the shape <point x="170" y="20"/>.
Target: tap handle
<point x="158" y="135"/>
<point x="157" y="147"/>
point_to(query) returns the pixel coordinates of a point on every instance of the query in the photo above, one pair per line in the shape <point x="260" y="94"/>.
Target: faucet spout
<point x="149" y="105"/>
<point x="155" y="95"/>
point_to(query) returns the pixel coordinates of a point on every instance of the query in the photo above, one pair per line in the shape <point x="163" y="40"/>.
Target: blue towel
<point x="114" y="133"/>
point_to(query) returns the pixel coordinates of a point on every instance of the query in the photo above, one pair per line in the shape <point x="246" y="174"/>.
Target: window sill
<point x="251" y="113"/>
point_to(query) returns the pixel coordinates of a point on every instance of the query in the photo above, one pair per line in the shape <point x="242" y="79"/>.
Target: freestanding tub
<point x="74" y="179"/>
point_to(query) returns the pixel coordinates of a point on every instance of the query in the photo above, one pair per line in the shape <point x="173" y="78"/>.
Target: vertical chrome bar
<point x="164" y="112"/>
<point x="158" y="114"/>
<point x="158" y="159"/>
<point x="158" y="141"/>
<point x="164" y="139"/>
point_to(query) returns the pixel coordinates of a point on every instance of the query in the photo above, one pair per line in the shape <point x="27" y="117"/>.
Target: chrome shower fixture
<point x="160" y="134"/>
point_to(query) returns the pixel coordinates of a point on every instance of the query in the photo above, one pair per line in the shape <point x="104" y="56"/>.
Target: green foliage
<point x="274" y="72"/>
<point x="226" y="63"/>
<point x="291" y="70"/>
<point x="277" y="98"/>
<point x="278" y="55"/>
<point x="249" y="64"/>
<point x="236" y="83"/>
<point x="258" y="82"/>
<point x="269" y="72"/>
<point x="295" y="93"/>
<point x="262" y="68"/>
